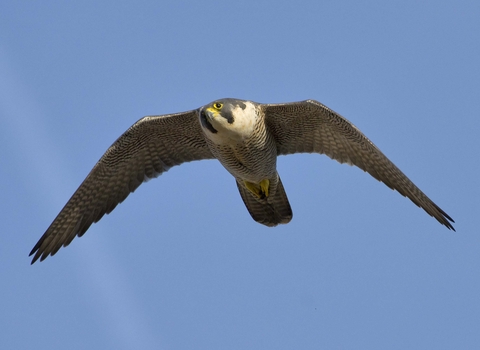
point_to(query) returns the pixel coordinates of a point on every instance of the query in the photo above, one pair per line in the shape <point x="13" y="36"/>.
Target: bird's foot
<point x="258" y="190"/>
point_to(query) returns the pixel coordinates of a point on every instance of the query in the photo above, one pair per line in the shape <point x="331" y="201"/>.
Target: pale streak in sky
<point x="101" y="277"/>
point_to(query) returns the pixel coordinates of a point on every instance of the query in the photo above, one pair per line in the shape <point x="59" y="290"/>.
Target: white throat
<point x="244" y="121"/>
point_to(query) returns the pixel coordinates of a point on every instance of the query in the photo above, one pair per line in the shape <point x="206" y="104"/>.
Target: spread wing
<point x="147" y="149"/>
<point x="310" y="127"/>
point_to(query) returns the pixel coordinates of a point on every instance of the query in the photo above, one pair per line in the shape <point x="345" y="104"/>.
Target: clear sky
<point x="180" y="264"/>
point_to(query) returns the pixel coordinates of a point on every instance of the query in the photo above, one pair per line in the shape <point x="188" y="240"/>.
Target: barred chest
<point x="252" y="159"/>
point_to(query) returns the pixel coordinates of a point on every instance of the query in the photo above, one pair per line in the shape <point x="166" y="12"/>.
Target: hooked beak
<point x="211" y="113"/>
<point x="206" y="117"/>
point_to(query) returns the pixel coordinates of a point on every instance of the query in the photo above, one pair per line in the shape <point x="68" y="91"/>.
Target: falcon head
<point x="228" y="119"/>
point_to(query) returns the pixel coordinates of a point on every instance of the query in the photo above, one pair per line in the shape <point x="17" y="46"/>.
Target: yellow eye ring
<point x="218" y="106"/>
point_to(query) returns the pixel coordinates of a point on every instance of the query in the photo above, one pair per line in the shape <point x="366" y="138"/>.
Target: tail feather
<point x="270" y="211"/>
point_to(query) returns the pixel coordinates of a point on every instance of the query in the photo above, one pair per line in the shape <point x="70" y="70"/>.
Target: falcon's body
<point x="241" y="143"/>
<point x="246" y="137"/>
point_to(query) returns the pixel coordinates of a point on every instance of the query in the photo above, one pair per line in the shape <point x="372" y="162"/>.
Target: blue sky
<point x="180" y="264"/>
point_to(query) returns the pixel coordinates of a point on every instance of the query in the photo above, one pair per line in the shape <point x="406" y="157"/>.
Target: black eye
<point x="217" y="105"/>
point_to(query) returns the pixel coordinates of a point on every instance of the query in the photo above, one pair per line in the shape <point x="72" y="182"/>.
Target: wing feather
<point x="311" y="127"/>
<point x="150" y="147"/>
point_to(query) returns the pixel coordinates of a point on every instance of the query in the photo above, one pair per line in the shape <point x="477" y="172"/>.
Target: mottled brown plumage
<point x="246" y="137"/>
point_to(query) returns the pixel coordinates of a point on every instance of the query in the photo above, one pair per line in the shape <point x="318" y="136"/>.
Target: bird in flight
<point x="246" y="137"/>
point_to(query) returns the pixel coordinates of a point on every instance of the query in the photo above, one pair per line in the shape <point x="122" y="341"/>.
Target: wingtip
<point x="35" y="251"/>
<point x="35" y="258"/>
<point x="448" y="222"/>
<point x="450" y="226"/>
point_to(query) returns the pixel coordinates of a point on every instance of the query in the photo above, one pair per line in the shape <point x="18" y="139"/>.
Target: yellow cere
<point x="216" y="107"/>
<point x="212" y="110"/>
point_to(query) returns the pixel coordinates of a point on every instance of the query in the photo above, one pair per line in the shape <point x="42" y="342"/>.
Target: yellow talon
<point x="265" y="185"/>
<point x="259" y="190"/>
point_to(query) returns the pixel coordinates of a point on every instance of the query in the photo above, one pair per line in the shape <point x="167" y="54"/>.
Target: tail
<point x="270" y="211"/>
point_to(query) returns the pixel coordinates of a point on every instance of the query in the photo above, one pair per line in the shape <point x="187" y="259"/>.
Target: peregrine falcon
<point x="246" y="137"/>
